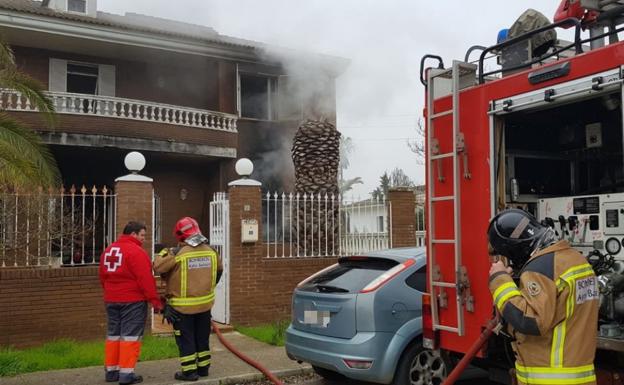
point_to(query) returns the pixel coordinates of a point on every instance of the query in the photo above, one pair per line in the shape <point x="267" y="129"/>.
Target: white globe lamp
<point x="244" y="167"/>
<point x="135" y="162"/>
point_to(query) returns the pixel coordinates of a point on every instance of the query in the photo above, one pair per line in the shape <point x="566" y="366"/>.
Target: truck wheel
<point x="420" y="366"/>
<point x="328" y="374"/>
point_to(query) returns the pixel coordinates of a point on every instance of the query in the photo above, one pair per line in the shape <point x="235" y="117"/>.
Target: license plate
<point x="316" y="318"/>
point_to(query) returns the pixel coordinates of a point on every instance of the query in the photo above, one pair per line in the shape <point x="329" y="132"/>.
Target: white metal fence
<point x="55" y="227"/>
<point x="317" y="225"/>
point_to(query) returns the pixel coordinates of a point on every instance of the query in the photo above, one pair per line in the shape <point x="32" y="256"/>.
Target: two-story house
<point x="191" y="100"/>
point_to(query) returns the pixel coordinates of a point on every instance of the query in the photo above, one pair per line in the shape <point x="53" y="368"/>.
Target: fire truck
<point x="541" y="131"/>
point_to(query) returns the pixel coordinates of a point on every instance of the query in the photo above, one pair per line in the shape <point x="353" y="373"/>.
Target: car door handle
<point x="329" y="308"/>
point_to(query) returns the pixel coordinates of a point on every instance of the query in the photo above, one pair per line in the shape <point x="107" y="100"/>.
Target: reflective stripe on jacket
<point x="191" y="276"/>
<point x="553" y="314"/>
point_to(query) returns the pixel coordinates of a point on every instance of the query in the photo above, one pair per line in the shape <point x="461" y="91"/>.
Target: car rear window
<point x="349" y="276"/>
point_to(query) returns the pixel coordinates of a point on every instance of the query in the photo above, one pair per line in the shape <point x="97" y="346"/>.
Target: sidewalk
<point x="226" y="368"/>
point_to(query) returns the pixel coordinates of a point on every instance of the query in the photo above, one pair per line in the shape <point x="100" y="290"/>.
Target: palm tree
<point x="25" y="161"/>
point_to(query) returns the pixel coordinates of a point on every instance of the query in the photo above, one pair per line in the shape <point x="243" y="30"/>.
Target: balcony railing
<point x="111" y="107"/>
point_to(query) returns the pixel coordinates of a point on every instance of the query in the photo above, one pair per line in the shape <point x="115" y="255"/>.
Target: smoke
<point x="379" y="96"/>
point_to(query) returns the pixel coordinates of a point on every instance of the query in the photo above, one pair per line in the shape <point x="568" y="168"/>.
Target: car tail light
<point x="316" y="274"/>
<point x="429" y="336"/>
<point x="387" y="276"/>
<point x="358" y="364"/>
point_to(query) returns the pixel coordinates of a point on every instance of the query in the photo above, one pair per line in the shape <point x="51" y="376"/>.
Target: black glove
<point x="170" y="314"/>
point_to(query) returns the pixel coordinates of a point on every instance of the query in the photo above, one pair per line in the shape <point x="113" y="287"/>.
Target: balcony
<point x="119" y="108"/>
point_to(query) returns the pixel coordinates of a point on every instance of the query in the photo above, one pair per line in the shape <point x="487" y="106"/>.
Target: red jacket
<point x="126" y="273"/>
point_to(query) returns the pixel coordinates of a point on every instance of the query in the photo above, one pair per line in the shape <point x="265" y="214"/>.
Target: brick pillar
<point x="402" y="216"/>
<point x="135" y="199"/>
<point x="245" y="258"/>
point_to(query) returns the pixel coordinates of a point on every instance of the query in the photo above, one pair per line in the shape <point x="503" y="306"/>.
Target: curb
<point x="248" y="377"/>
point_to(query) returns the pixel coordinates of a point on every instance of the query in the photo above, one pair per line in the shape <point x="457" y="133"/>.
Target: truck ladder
<point x="459" y="73"/>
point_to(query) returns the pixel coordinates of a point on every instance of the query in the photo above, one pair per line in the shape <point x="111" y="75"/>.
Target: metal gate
<point x="220" y="240"/>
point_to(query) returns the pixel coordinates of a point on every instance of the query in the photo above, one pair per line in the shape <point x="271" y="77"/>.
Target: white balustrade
<point x="112" y="107"/>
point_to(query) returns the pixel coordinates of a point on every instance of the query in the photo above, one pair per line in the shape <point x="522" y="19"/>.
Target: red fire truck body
<point x="471" y="125"/>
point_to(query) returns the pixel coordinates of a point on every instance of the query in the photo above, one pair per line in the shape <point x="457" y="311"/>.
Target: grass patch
<point x="272" y="334"/>
<point x="68" y="354"/>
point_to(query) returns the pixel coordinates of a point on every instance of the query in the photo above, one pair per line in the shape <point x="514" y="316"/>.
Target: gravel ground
<point x="300" y="380"/>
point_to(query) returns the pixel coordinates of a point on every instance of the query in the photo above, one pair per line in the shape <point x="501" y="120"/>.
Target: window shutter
<point x="57" y="78"/>
<point x="106" y="80"/>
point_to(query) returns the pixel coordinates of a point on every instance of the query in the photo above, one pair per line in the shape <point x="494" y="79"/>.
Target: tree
<point x="346" y="148"/>
<point x="397" y="178"/>
<point x="417" y="146"/>
<point x="24" y="159"/>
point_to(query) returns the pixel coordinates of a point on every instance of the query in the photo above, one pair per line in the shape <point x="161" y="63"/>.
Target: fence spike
<point x="94" y="190"/>
<point x="275" y="195"/>
<point x="268" y="195"/>
<point x="72" y="190"/>
<point x="83" y="190"/>
<point x="290" y="196"/>
<point x="62" y="190"/>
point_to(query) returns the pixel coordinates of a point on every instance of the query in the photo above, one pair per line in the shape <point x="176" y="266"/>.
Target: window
<point x="418" y="280"/>
<point x="257" y="96"/>
<point x="349" y="276"/>
<point x="79" y="6"/>
<point x="82" y="78"/>
<point x="380" y="224"/>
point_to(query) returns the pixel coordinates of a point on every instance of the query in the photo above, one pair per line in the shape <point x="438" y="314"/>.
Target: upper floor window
<point x="82" y="78"/>
<point x="258" y="97"/>
<point x="79" y="6"/>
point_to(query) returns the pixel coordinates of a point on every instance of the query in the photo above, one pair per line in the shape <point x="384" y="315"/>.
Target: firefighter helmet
<point x="516" y="234"/>
<point x="185" y="228"/>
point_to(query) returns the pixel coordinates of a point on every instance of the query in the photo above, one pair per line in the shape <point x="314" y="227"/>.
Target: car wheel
<point x="328" y="374"/>
<point x="419" y="366"/>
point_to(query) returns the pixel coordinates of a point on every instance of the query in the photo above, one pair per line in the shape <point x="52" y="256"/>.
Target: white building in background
<point x="370" y="217"/>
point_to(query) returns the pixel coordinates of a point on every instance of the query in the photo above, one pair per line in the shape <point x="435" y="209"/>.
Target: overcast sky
<point x="380" y="98"/>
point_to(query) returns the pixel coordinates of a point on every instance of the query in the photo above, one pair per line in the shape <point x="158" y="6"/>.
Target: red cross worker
<point x="128" y="283"/>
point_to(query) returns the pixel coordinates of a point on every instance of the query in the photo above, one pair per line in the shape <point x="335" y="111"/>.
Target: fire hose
<point x="243" y="357"/>
<point x="472" y="352"/>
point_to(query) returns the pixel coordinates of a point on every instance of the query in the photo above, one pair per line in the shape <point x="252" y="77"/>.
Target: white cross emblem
<point x="112" y="259"/>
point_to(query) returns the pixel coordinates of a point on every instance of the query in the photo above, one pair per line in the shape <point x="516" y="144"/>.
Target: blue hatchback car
<point x="361" y="318"/>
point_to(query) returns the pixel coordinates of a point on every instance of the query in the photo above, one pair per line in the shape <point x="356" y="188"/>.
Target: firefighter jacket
<point x="126" y="273"/>
<point x="553" y="315"/>
<point x="191" y="277"/>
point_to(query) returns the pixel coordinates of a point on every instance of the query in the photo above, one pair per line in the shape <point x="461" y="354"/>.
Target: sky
<point x="379" y="97"/>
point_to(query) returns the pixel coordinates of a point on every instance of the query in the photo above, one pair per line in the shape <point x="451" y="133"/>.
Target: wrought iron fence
<point x="317" y="225"/>
<point x="57" y="227"/>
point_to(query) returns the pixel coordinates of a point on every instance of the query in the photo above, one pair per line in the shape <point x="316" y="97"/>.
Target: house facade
<point x="191" y="100"/>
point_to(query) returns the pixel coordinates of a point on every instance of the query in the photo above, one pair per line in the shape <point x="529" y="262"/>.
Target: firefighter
<point x="553" y="311"/>
<point x="191" y="272"/>
<point x="128" y="283"/>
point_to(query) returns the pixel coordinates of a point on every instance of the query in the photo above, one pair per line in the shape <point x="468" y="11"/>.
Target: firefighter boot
<point x="203" y="372"/>
<point x="186" y="376"/>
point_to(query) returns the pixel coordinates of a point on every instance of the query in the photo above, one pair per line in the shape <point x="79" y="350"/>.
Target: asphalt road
<point x="475" y="378"/>
<point x="474" y="381"/>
